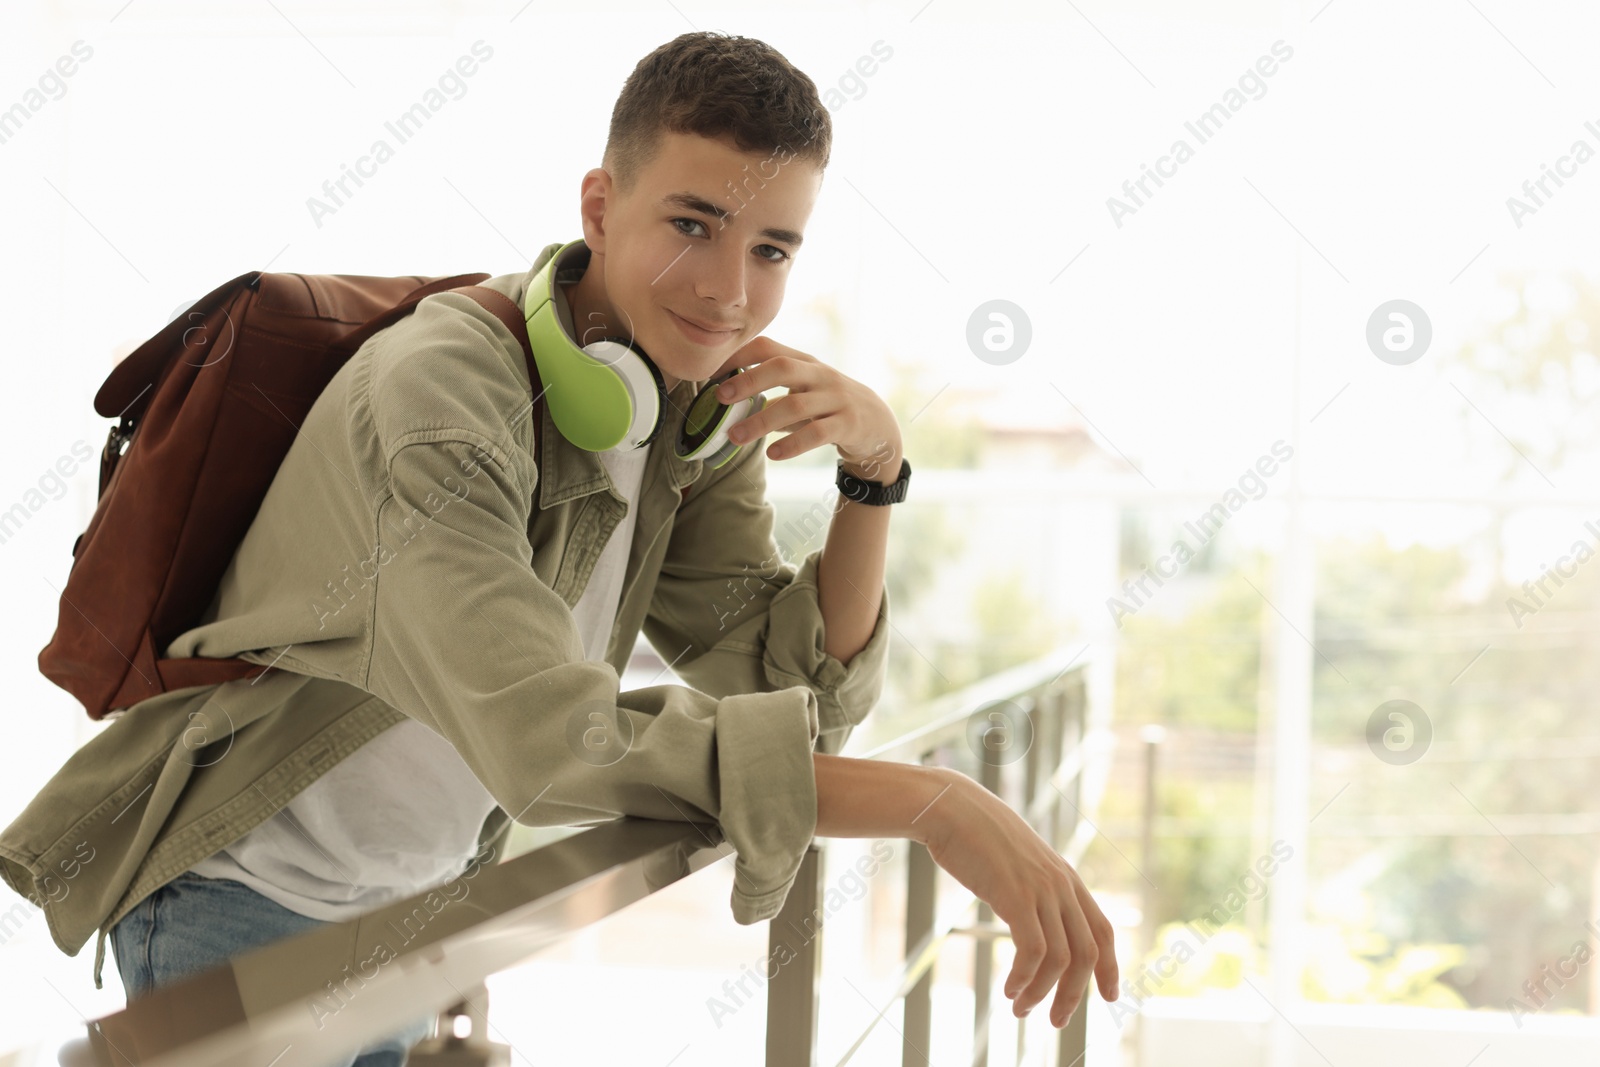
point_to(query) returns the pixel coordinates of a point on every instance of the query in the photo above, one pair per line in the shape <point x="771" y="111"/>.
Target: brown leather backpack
<point x="208" y="408"/>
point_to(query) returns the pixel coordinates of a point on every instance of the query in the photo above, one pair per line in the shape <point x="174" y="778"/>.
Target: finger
<point x="759" y="349"/>
<point x="1056" y="956"/>
<point x="1105" y="969"/>
<point x="736" y="387"/>
<point x="1027" y="938"/>
<point x="774" y="371"/>
<point x="787" y="411"/>
<point x="757" y="372"/>
<point x="1085" y="955"/>
<point x="752" y="351"/>
<point x="804" y="439"/>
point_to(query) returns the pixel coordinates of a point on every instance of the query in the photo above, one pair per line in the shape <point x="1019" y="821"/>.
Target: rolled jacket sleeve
<point x="732" y="616"/>
<point x="468" y="640"/>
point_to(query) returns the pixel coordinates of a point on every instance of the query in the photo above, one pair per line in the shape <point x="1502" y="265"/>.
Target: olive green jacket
<point x="411" y="558"/>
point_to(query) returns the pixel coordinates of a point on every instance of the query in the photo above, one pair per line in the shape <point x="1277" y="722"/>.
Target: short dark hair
<point x="719" y="86"/>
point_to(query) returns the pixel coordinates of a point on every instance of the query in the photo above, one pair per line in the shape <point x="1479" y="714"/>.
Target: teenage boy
<point x="448" y="593"/>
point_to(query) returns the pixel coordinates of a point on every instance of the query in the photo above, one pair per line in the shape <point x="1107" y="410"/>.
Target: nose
<point x="720" y="275"/>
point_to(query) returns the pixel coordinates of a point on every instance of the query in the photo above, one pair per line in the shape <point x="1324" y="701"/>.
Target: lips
<point x="708" y="327"/>
<point x="703" y="335"/>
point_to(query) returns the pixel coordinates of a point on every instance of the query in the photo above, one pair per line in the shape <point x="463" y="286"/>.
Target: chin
<point x="686" y="361"/>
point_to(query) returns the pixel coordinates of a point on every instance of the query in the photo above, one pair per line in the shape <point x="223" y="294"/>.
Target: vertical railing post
<point x="922" y="890"/>
<point x="1073" y="698"/>
<point x="1043" y="759"/>
<point x="1036" y="761"/>
<point x="1056" y="737"/>
<point x="990" y="762"/>
<point x="1075" y="1036"/>
<point x="1073" y="1042"/>
<point x="794" y="939"/>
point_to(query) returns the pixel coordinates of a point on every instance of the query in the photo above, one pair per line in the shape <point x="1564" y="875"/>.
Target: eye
<point x="778" y="258"/>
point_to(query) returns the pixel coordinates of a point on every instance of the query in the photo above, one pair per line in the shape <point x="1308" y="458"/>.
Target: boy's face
<point x="657" y="259"/>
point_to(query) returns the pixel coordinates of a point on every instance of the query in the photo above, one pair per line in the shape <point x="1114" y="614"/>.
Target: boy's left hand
<point x="822" y="406"/>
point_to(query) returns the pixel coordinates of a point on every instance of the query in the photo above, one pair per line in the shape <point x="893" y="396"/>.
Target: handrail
<point x="948" y="715"/>
<point x="350" y="983"/>
<point x="302" y="1000"/>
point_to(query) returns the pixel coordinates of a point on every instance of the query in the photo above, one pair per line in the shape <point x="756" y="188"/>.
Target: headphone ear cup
<point x="704" y="432"/>
<point x="647" y="390"/>
<point x="661" y="404"/>
<point x="722" y="455"/>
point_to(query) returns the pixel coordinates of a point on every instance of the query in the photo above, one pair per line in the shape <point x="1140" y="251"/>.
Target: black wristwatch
<point x="864" y="492"/>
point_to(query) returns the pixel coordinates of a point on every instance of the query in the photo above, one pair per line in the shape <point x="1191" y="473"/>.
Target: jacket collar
<point x="567" y="471"/>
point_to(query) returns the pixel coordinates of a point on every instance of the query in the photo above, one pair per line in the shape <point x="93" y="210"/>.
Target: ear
<point x="593" y="197"/>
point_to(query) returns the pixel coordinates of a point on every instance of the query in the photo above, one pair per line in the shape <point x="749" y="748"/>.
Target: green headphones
<point x="609" y="394"/>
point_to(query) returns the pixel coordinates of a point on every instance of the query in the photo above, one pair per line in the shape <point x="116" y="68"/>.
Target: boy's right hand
<point x="1059" y="932"/>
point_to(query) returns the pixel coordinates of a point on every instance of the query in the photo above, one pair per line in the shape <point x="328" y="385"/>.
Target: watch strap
<point x="864" y="492"/>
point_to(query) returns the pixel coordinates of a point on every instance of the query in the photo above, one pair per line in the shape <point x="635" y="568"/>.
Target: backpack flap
<point x="130" y="381"/>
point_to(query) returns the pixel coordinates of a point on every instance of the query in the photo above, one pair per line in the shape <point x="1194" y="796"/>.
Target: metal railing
<point x="1029" y="722"/>
<point x="327" y="992"/>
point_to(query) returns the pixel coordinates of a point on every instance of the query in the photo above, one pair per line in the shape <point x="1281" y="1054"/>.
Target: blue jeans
<point x="193" y="923"/>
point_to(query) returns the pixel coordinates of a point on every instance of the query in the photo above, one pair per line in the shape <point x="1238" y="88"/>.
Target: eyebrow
<point x="692" y="202"/>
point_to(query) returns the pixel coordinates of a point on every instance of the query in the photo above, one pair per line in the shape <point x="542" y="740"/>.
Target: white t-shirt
<point x="402" y="813"/>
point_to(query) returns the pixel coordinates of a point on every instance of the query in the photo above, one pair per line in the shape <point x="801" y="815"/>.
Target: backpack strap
<point x="506" y="310"/>
<point x="346" y="346"/>
<point x="493" y="301"/>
